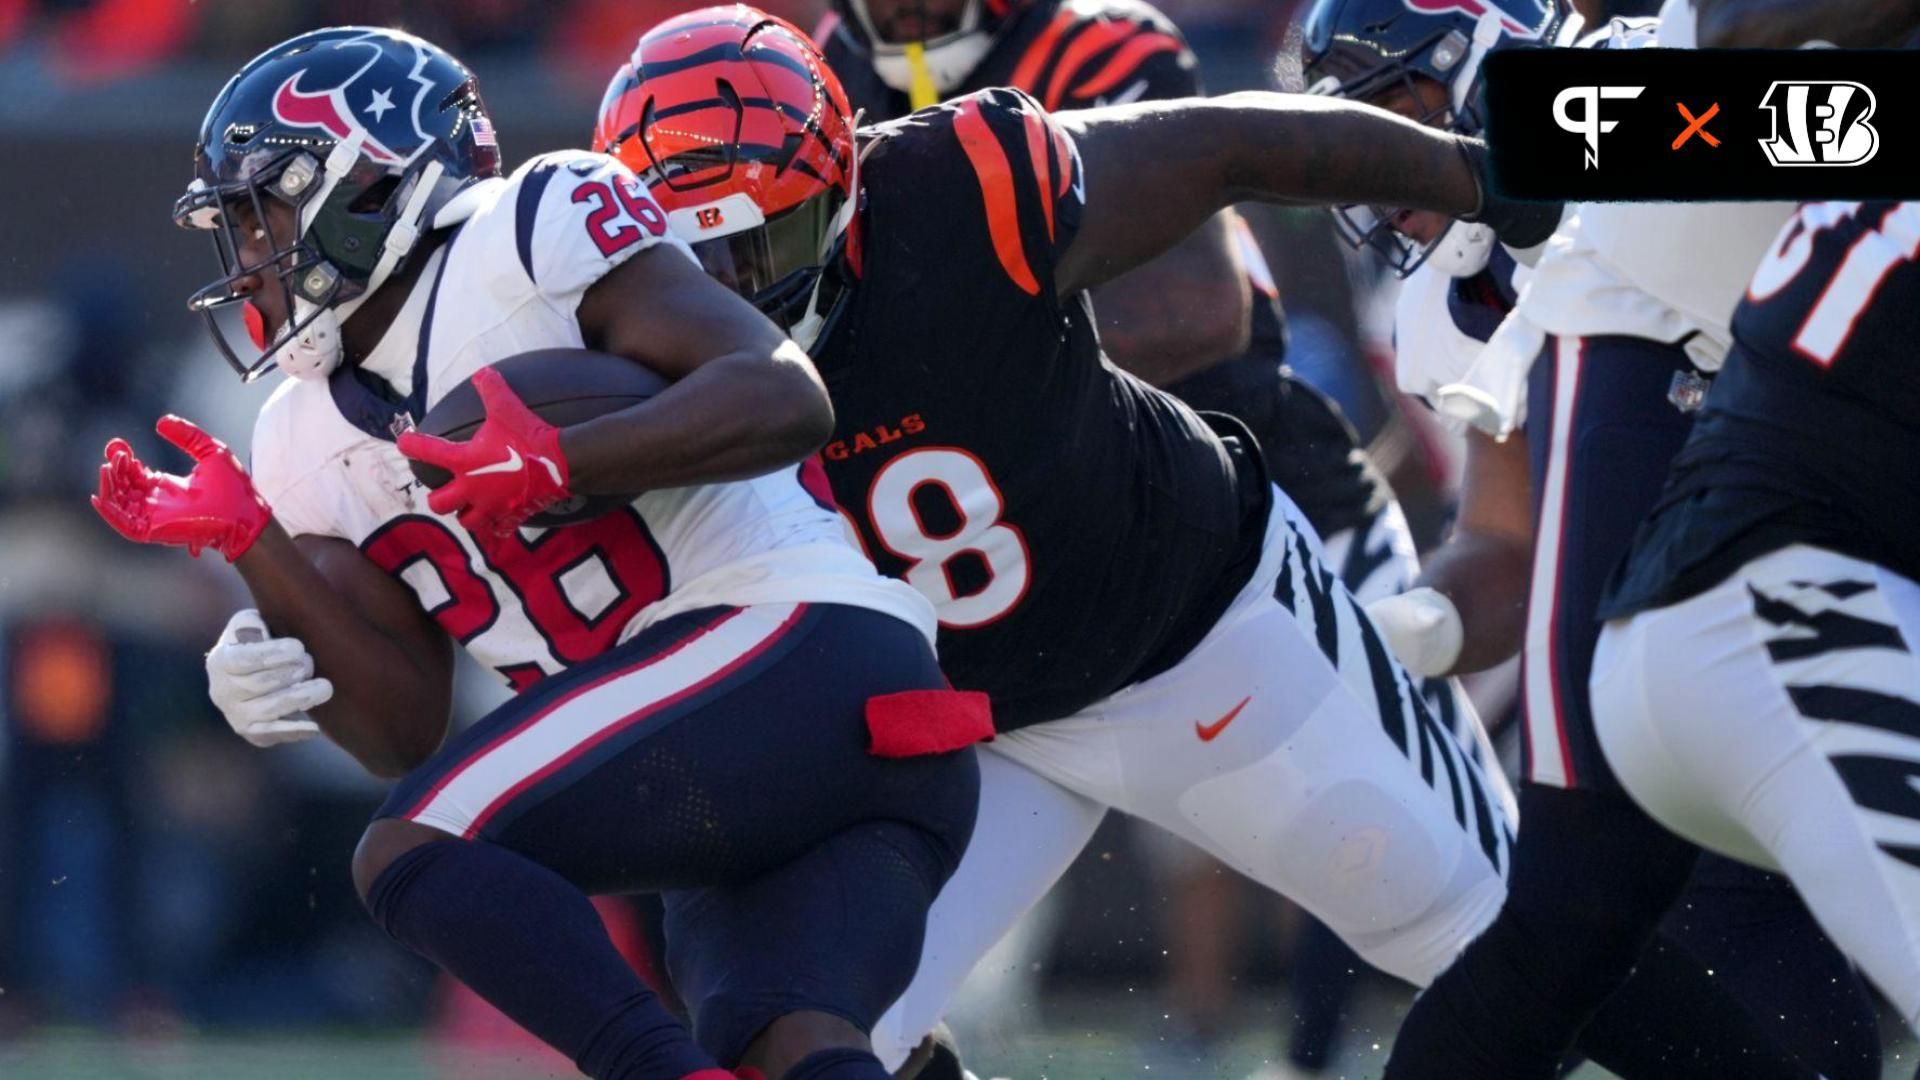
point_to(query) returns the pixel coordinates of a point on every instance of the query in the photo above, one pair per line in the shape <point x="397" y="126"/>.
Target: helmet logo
<point x="1474" y="9"/>
<point x="711" y="218"/>
<point x="373" y="101"/>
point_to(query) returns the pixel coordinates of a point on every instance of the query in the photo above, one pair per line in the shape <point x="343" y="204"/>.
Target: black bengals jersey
<point x="1810" y="433"/>
<point x="1076" y="529"/>
<point x="1082" y="53"/>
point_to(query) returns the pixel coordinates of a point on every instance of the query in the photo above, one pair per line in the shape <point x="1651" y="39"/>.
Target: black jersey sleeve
<point x="988" y="175"/>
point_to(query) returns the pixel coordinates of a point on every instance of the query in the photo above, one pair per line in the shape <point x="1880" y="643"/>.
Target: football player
<point x="1154" y="621"/>
<point x="718" y="696"/>
<point x="1201" y="321"/>
<point x="1756" y="688"/>
<point x="1637" y="303"/>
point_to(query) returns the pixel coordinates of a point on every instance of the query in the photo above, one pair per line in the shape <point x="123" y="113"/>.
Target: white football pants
<point x="1776" y="719"/>
<point x="1289" y="745"/>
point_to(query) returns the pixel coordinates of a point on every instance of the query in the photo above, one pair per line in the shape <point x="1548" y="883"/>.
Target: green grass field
<point x="1080" y="1037"/>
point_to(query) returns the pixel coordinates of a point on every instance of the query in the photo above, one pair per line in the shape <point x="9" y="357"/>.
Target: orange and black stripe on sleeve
<point x="1049" y="158"/>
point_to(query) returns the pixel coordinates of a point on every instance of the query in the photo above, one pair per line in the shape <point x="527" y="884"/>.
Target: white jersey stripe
<point x="563" y="731"/>
<point x="1549" y="760"/>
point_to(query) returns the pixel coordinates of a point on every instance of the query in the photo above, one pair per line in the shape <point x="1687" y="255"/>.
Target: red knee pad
<point x="915" y="722"/>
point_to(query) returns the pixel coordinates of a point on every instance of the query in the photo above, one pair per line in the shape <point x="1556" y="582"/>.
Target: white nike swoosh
<point x="512" y="464"/>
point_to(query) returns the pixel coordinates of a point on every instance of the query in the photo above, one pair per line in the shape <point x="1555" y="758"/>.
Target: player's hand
<point x="1519" y="224"/>
<point x="1423" y="629"/>
<point x="214" y="506"/>
<point x="509" y="471"/>
<point x="264" y="685"/>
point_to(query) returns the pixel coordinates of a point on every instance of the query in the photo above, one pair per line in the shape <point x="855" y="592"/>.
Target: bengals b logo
<point x="1820" y="123"/>
<point x="709" y="217"/>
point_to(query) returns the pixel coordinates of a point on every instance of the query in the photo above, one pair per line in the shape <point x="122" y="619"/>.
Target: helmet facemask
<point x="317" y="169"/>
<point x="1450" y="59"/>
<point x="936" y="65"/>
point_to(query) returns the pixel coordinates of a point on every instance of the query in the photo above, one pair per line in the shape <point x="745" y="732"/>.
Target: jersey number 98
<point x="961" y="480"/>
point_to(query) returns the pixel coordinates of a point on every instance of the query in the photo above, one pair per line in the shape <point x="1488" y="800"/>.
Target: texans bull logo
<point x="382" y="101"/>
<point x="1477" y="9"/>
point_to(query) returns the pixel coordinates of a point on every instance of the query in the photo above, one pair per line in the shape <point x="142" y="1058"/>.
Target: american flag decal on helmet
<point x="483" y="132"/>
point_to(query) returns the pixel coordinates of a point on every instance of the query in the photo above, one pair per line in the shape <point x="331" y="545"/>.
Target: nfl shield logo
<point x="1689" y="391"/>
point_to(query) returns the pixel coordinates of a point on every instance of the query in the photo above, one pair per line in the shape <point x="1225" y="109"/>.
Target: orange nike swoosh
<point x="1208" y="731"/>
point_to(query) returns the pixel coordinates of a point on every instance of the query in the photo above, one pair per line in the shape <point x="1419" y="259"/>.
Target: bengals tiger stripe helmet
<point x="744" y="136"/>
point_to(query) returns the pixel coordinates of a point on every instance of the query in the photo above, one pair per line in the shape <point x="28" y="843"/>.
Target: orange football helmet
<point x="732" y="118"/>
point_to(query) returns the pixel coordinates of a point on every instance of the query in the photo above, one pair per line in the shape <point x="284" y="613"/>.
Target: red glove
<point x="214" y="506"/>
<point x="510" y="470"/>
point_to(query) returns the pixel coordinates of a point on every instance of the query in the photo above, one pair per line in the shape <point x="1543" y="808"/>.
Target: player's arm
<point x="1481" y="573"/>
<point x="1181" y="313"/>
<point x="390" y="664"/>
<point x="391" y="667"/>
<point x="745" y="400"/>
<point x="1155" y="171"/>
<point x="1192" y="307"/>
<point x="1787" y="24"/>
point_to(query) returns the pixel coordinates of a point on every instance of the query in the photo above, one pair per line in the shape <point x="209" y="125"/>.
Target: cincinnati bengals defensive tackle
<point x="350" y="180"/>
<point x="1152" y="619"/>
<point x="1077" y="54"/>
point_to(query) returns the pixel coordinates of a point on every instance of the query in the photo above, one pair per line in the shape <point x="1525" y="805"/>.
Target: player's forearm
<point x="1155" y="171"/>
<point x="1485" y="576"/>
<point x="1305" y="148"/>
<point x="386" y="698"/>
<point x="734" y="417"/>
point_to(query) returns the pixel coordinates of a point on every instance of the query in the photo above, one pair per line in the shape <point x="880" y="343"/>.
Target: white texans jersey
<point x="1663" y="271"/>
<point x="509" y="281"/>
<point x="1436" y="344"/>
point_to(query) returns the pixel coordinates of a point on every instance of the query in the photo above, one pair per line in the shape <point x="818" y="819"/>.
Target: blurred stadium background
<point x="176" y="904"/>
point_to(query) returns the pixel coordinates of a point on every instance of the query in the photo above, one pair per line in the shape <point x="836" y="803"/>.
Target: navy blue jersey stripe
<point x="526" y="208"/>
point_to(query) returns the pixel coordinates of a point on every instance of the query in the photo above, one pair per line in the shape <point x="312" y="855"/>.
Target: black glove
<point x="1518" y="224"/>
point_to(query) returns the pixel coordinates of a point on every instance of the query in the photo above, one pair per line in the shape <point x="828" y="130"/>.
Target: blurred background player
<point x="1756" y="689"/>
<point x="1202" y="321"/>
<point x="381" y="261"/>
<point x="961" y="496"/>
<point x="1631" y="348"/>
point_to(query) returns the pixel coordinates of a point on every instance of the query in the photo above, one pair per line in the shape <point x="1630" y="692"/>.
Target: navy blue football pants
<point x="1593" y="876"/>
<point x="721" y="757"/>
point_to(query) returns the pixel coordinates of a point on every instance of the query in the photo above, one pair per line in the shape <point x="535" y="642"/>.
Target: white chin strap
<point x="316" y="351"/>
<point x="1463" y="250"/>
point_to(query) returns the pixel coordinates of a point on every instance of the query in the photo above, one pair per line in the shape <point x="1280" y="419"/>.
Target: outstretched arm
<point x="1155" y="171"/>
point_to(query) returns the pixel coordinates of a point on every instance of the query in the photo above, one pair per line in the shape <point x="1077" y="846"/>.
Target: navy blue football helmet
<point x="1367" y="50"/>
<point x="370" y="136"/>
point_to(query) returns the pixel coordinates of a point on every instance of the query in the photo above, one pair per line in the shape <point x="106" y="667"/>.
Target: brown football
<point x="562" y="386"/>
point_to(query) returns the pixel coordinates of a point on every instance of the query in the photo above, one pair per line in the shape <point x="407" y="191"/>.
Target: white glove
<point x="264" y="685"/>
<point x="1422" y="627"/>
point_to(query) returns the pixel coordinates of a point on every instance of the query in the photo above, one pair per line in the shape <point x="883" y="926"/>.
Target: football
<point x="562" y="386"/>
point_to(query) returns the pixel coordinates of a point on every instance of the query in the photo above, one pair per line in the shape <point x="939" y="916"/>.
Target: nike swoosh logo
<point x="512" y="464"/>
<point x="1208" y="732"/>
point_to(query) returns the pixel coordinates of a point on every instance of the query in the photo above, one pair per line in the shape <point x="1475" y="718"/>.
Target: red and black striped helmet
<point x="744" y="136"/>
